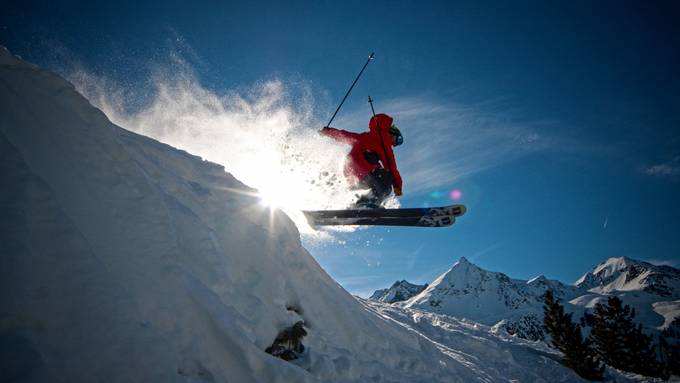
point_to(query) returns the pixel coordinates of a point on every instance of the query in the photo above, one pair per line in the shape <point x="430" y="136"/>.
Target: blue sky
<point x="558" y="121"/>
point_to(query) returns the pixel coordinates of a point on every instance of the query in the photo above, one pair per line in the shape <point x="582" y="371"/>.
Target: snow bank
<point x="123" y="259"/>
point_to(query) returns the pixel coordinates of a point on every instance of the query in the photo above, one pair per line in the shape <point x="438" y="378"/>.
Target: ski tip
<point x="463" y="210"/>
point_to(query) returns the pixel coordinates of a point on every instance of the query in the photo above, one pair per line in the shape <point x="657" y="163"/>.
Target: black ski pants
<point x="379" y="181"/>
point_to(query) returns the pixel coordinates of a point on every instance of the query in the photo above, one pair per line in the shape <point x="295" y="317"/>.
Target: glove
<point x="397" y="191"/>
<point x="323" y="130"/>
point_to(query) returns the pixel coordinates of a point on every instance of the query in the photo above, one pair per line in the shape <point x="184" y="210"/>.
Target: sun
<point x="272" y="201"/>
<point x="287" y="202"/>
<point x="281" y="196"/>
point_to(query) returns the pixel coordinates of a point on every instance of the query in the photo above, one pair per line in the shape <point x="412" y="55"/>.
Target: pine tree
<point x="620" y="343"/>
<point x="566" y="337"/>
<point x="669" y="349"/>
<point x="674" y="360"/>
<point x="642" y="353"/>
<point x="606" y="334"/>
<point x="553" y="313"/>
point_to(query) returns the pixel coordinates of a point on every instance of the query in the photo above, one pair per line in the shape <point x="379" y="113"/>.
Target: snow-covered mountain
<point x="516" y="306"/>
<point x="399" y="291"/>
<point x="125" y="260"/>
<point x="654" y="291"/>
<point x="624" y="274"/>
<point x="486" y="297"/>
<point x="490" y="298"/>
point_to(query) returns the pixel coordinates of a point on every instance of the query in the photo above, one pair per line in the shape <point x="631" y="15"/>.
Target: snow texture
<point x="125" y="260"/>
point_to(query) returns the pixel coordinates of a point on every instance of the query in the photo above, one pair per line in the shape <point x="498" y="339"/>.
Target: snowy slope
<point x="123" y="259"/>
<point x="399" y="291"/>
<point x="487" y="351"/>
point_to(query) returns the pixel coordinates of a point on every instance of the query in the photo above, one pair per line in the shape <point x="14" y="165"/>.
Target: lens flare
<point x="456" y="194"/>
<point x="435" y="195"/>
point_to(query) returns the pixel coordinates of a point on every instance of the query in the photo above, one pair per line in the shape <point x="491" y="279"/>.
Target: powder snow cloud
<point x="263" y="135"/>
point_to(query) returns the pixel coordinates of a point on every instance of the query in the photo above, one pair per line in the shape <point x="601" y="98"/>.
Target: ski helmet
<point x="395" y="132"/>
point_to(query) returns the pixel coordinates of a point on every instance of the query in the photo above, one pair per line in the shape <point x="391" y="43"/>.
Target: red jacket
<point x="365" y="147"/>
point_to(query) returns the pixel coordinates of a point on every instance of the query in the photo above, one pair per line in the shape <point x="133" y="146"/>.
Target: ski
<point x="441" y="216"/>
<point x="453" y="210"/>
<point x="425" y="221"/>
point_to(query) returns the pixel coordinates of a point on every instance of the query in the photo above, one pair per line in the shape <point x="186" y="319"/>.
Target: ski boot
<point x="368" y="202"/>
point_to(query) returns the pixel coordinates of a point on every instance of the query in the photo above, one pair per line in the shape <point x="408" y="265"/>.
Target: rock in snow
<point x="125" y="260"/>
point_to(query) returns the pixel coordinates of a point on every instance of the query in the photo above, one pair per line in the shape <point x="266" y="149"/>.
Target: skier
<point x="370" y="163"/>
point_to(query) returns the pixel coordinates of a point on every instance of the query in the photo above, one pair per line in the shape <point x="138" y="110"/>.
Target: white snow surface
<point x="669" y="310"/>
<point x="125" y="260"/>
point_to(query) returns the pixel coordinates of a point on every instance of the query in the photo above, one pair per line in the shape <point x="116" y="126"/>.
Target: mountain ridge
<point x="399" y="291"/>
<point x="494" y="299"/>
<point x="626" y="274"/>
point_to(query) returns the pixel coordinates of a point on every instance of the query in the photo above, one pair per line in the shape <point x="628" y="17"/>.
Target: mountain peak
<point x="463" y="263"/>
<point x="616" y="263"/>
<point x="626" y="274"/>
<point x="399" y="291"/>
<point x="467" y="290"/>
<point x="461" y="271"/>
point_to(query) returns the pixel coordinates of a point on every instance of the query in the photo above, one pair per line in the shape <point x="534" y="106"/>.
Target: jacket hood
<point x="380" y="122"/>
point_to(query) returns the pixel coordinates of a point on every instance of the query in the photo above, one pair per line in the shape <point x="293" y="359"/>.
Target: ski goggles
<point x="397" y="134"/>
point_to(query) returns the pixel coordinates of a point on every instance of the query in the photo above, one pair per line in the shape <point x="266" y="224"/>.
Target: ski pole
<point x="370" y="101"/>
<point x="370" y="57"/>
